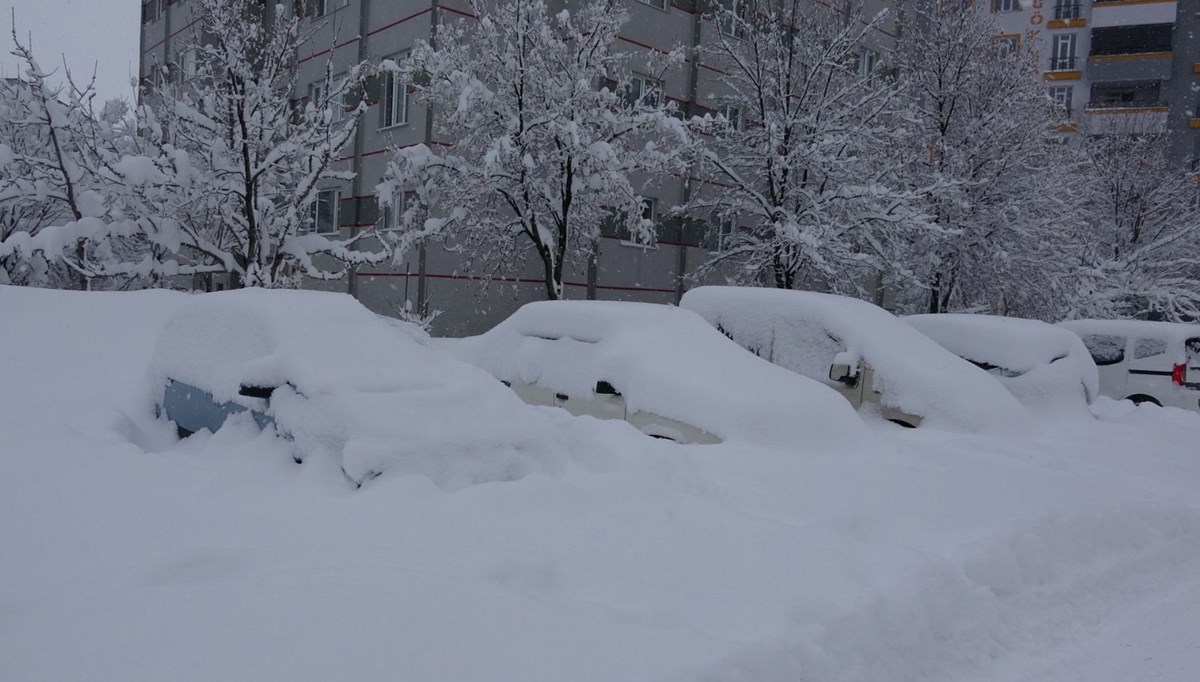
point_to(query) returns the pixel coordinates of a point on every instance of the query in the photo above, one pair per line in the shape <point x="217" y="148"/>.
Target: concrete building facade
<point x="1116" y="65"/>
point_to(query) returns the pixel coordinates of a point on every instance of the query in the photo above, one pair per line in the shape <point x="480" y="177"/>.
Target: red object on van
<point x="1179" y="374"/>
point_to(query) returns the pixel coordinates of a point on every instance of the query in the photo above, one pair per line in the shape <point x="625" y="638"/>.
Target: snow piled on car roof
<point x="1175" y="332"/>
<point x="663" y="360"/>
<point x="912" y="372"/>
<point x="349" y="386"/>
<point x="1012" y="343"/>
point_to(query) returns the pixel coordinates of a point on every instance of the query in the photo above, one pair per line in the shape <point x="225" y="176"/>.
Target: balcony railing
<point x="1062" y="63"/>
<point x="1109" y="104"/>
<point x="1068" y="10"/>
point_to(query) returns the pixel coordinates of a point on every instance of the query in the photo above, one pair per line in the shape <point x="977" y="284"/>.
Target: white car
<point x="875" y="360"/>
<point x="339" y="383"/>
<point x="660" y="368"/>
<point x="1146" y="362"/>
<point x="1045" y="367"/>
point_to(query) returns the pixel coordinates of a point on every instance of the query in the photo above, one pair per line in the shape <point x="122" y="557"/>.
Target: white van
<point x="1146" y="362"/>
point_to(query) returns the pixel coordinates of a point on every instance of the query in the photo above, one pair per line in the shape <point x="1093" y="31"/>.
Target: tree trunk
<point x="552" y="274"/>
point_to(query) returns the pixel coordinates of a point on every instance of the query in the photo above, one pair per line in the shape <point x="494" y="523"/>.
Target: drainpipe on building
<point x="422" y="287"/>
<point x="141" y="56"/>
<point x="686" y="190"/>
<point x="356" y="189"/>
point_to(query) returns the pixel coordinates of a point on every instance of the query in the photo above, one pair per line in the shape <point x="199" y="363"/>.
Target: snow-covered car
<point x="339" y="382"/>
<point x="660" y="368"/>
<point x="876" y="361"/>
<point x="1045" y="367"/>
<point x="1146" y="362"/>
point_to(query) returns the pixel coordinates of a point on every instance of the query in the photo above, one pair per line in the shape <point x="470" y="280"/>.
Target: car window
<point x="808" y="349"/>
<point x="1148" y="348"/>
<point x="1106" y="349"/>
<point x="1193" y="351"/>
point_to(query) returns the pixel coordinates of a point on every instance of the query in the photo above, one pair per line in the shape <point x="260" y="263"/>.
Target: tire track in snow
<point x="1023" y="594"/>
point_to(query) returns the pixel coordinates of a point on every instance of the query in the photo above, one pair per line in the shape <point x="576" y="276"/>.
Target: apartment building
<point x="1116" y="65"/>
<point x="435" y="279"/>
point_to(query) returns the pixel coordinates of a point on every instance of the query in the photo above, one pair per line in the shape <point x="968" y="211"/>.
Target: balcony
<point x="1123" y="40"/>
<point x="1132" y="13"/>
<point x="1064" y="69"/>
<point x="1067" y="14"/>
<point x="1068" y="10"/>
<point x="1127" y="96"/>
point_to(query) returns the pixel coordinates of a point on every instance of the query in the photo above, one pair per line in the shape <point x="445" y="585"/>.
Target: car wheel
<point x="182" y="432"/>
<point x="901" y="422"/>
<point x="1139" y="399"/>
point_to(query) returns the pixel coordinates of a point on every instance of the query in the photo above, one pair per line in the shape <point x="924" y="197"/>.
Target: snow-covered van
<point x="1146" y="362"/>
<point x="876" y="361"/>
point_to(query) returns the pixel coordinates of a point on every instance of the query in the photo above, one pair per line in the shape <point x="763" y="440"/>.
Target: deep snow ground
<point x="1066" y="554"/>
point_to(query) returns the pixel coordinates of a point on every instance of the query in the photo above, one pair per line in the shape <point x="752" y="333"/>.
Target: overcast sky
<point x="92" y="34"/>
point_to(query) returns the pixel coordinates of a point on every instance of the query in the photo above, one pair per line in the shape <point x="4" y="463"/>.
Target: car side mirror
<point x="263" y="392"/>
<point x="843" y="374"/>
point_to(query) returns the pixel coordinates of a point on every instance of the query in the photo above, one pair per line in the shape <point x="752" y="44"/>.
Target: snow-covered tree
<point x="238" y="161"/>
<point x="982" y="130"/>
<point x="546" y="130"/>
<point x="1141" y="251"/>
<point x="59" y="223"/>
<point x="21" y="140"/>
<point x="800" y="158"/>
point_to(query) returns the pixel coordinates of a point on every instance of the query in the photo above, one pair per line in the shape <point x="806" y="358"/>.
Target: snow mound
<point x="805" y="331"/>
<point x="352" y="387"/>
<point x="663" y="360"/>
<point x="1046" y="367"/>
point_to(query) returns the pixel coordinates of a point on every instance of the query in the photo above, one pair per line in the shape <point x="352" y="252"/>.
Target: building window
<point x="187" y="63"/>
<point x="1067" y="9"/>
<point x="657" y="4"/>
<point x="725" y="231"/>
<point x="393" y="212"/>
<point x="1006" y="5"/>
<point x="322" y="99"/>
<point x="731" y="17"/>
<point x="331" y="6"/>
<point x="643" y="89"/>
<point x="1007" y="45"/>
<point x="152" y="10"/>
<point x="1062" y="52"/>
<point x="395" y="101"/>
<point x="324" y="218"/>
<point x="649" y="212"/>
<point x="733" y="117"/>
<point x="867" y="61"/>
<point x="1062" y="97"/>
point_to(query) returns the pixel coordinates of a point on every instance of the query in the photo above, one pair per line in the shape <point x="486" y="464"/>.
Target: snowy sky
<point x="92" y="34"/>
